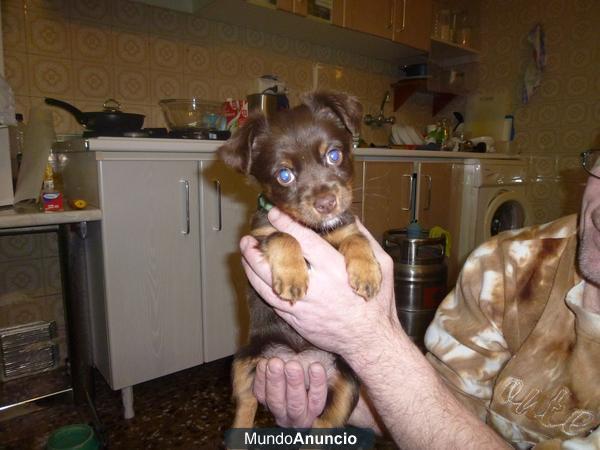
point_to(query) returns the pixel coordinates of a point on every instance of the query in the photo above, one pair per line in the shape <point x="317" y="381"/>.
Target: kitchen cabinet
<point x="406" y="22"/>
<point x="299" y="7"/>
<point x="150" y="247"/>
<point x="228" y="202"/>
<point x="168" y="288"/>
<point x="375" y="18"/>
<point x="412" y="23"/>
<point x="387" y="199"/>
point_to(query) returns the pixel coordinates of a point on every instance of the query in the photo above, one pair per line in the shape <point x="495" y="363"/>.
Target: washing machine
<point x="493" y="200"/>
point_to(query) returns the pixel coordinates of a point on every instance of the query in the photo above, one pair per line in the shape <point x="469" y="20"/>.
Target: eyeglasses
<point x="590" y="160"/>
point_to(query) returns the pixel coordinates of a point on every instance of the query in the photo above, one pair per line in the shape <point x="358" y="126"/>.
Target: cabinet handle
<point x="185" y="191"/>
<point x="391" y="23"/>
<point x="403" y="15"/>
<point x="410" y="187"/>
<point x="429" y="183"/>
<point x="219" y="226"/>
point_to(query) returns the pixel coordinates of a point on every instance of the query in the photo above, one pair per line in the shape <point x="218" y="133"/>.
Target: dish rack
<point x="28" y="349"/>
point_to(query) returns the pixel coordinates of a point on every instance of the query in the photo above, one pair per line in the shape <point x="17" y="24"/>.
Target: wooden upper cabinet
<point x="412" y="23"/>
<point x="373" y="17"/>
<point x="299" y="7"/>
<point x="407" y="22"/>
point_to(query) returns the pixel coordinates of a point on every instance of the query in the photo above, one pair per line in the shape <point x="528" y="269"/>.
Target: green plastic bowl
<point x="74" y="437"/>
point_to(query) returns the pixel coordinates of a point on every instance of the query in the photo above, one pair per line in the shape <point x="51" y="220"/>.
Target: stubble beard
<point x="589" y="260"/>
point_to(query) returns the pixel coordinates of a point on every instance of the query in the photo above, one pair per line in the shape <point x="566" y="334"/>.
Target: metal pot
<point x="111" y="119"/>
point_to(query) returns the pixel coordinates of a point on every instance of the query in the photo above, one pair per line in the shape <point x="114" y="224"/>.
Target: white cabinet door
<point x="228" y="202"/>
<point x="151" y="235"/>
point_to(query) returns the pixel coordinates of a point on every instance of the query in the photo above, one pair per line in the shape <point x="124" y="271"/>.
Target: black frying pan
<point x="111" y="119"/>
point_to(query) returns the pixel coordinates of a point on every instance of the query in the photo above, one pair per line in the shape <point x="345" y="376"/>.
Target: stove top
<point x="163" y="133"/>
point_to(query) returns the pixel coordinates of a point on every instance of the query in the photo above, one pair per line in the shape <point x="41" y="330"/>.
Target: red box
<point x="52" y="201"/>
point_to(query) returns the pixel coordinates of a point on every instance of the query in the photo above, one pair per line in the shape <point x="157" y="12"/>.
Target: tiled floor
<point x="187" y="410"/>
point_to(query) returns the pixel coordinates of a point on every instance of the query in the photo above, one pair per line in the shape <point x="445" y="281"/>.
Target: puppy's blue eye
<point x="334" y="156"/>
<point x="285" y="176"/>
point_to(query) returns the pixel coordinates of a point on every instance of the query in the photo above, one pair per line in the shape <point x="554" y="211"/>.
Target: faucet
<point x="380" y="119"/>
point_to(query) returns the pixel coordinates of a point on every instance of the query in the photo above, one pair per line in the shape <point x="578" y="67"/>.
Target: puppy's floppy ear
<point x="344" y="109"/>
<point x="237" y="151"/>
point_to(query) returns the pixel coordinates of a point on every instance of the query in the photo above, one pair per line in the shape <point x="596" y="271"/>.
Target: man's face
<point x="589" y="231"/>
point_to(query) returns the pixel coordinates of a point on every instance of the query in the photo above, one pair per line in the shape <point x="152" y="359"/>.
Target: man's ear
<point x="342" y="108"/>
<point x="237" y="151"/>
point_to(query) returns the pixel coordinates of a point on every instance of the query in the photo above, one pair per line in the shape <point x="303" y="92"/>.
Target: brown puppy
<point x="303" y="162"/>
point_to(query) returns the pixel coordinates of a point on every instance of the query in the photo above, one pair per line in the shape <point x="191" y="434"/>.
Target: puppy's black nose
<point x="324" y="204"/>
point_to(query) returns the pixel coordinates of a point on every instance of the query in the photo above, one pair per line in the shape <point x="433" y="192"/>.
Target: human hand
<point x="282" y="387"/>
<point x="331" y="315"/>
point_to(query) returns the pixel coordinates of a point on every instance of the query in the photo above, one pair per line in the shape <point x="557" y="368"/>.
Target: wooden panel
<point x="357" y="191"/>
<point x="387" y="196"/>
<point x="224" y="282"/>
<point x="440" y="204"/>
<point x="152" y="270"/>
<point x="370" y="17"/>
<point x="412" y="23"/>
<point x="299" y="7"/>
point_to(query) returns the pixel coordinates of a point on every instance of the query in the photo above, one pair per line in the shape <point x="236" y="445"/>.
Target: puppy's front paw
<point x="290" y="281"/>
<point x="364" y="275"/>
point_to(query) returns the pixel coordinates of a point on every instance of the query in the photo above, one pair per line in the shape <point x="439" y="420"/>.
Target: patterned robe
<point x="515" y="345"/>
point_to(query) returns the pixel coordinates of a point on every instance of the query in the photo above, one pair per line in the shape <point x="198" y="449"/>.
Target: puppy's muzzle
<point x="325" y="204"/>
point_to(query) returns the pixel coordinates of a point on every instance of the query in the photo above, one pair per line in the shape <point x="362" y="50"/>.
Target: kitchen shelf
<point x="447" y="53"/>
<point x="403" y="89"/>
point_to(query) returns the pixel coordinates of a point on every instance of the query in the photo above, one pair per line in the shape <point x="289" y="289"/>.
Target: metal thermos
<point x="267" y="103"/>
<point x="420" y="277"/>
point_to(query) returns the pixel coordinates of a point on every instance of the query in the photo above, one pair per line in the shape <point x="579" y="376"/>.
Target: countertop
<point x="182" y="146"/>
<point x="29" y="216"/>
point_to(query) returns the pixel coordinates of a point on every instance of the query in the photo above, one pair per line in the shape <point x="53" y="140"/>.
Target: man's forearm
<point x="416" y="407"/>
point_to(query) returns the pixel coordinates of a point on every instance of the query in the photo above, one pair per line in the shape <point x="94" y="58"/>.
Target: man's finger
<point x="260" y="379"/>
<point x="275" y="389"/>
<point x="296" y="394"/>
<point x="317" y="391"/>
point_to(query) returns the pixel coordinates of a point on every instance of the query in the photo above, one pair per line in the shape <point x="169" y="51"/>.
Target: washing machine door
<point x="506" y="211"/>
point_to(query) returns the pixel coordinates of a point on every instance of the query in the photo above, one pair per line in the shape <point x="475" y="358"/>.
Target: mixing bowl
<point x="192" y="114"/>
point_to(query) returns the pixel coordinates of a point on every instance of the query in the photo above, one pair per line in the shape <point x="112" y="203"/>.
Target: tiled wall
<point x="30" y="283"/>
<point x="85" y="51"/>
<point x="563" y="118"/>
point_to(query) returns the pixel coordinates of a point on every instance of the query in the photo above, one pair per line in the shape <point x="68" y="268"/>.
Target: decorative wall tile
<point x="253" y="65"/>
<point x="254" y="38"/>
<point x="166" y="54"/>
<point x="227" y="33"/>
<point x="95" y="10"/>
<point x="131" y="48"/>
<point x="165" y="85"/>
<point x="166" y="22"/>
<point x="197" y="29"/>
<point x="92" y="42"/>
<point x="196" y="86"/>
<point x="51" y="276"/>
<point x="130" y="15"/>
<point x="15" y="72"/>
<point x="198" y="60"/>
<point x="23" y="276"/>
<point x="49" y="244"/>
<point x="18" y="247"/>
<point x="13" y="27"/>
<point x="132" y="85"/>
<point x="93" y="81"/>
<point x="48" y="35"/>
<point x="64" y="122"/>
<point x="50" y="76"/>
<point x="229" y="89"/>
<point x="228" y="62"/>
